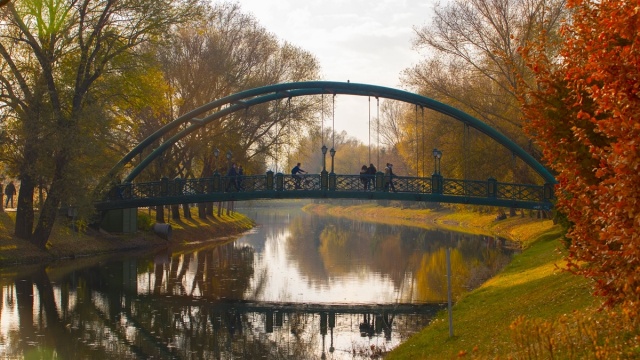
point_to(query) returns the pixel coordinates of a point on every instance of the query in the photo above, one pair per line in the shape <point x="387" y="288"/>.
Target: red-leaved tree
<point x="584" y="112"/>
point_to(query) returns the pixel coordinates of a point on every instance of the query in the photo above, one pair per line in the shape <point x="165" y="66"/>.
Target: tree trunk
<point x="160" y="213"/>
<point x="209" y="206"/>
<point x="187" y="211"/>
<point x="24" y="213"/>
<point x="202" y="214"/>
<point x="49" y="208"/>
<point x="175" y="212"/>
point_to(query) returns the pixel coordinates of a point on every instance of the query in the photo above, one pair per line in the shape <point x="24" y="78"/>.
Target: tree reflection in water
<point x="205" y="303"/>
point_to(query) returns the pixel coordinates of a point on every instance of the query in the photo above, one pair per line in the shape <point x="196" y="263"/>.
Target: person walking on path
<point x="297" y="178"/>
<point x="9" y="190"/>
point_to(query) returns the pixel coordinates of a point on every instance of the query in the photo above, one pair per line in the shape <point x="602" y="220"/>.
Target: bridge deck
<point x="329" y="186"/>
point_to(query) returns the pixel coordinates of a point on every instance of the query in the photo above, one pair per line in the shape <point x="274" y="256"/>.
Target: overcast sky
<point x="361" y="41"/>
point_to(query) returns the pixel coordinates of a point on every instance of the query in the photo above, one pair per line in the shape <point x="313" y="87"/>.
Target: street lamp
<point x="324" y="158"/>
<point x="333" y="154"/>
<point x="437" y="155"/>
<point x="216" y="153"/>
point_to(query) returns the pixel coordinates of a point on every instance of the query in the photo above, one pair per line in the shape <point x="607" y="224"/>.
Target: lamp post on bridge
<point x="324" y="158"/>
<point x="332" y="176"/>
<point x="437" y="155"/>
<point x="324" y="178"/>
<point x="333" y="154"/>
<point x="436" y="178"/>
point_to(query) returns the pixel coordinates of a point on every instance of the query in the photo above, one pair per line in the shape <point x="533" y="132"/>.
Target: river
<point x="298" y="286"/>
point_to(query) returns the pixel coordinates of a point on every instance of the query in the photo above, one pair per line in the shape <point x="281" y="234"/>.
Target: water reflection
<point x="299" y="287"/>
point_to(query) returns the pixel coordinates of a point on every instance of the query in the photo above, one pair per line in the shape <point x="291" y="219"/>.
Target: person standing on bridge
<point x="297" y="178"/>
<point x="388" y="178"/>
<point x="240" y="176"/>
<point x="232" y="175"/>
<point x="371" y="175"/>
<point x="364" y="178"/>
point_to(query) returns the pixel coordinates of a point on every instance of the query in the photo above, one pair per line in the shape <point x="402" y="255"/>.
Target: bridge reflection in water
<point x="280" y="186"/>
<point x="104" y="313"/>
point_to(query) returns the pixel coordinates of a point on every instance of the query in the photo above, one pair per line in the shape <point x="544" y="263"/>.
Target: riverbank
<point x="533" y="285"/>
<point x="65" y="243"/>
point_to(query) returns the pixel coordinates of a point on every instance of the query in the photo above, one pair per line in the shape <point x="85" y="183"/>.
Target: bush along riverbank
<point x="65" y="243"/>
<point x="532" y="309"/>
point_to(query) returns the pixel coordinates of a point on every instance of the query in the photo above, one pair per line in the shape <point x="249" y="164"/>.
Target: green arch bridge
<point x="130" y="194"/>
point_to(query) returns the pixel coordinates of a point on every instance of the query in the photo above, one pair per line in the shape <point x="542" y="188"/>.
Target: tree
<point x="475" y="66"/>
<point x="222" y="53"/>
<point x="583" y="111"/>
<point x="60" y="58"/>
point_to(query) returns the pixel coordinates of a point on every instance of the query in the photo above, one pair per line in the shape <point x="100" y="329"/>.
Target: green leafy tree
<point x="59" y="59"/>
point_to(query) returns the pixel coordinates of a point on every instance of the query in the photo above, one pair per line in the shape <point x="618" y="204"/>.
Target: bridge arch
<point x="252" y="97"/>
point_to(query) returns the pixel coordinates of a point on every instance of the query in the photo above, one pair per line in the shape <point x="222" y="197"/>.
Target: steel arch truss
<point x="252" y="97"/>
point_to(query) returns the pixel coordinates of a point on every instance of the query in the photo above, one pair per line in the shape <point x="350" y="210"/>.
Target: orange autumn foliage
<point x="584" y="112"/>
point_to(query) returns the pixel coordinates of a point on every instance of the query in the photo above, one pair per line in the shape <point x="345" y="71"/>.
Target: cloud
<point x="356" y="40"/>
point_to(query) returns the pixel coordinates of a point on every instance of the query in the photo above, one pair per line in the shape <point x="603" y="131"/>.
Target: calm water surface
<point x="297" y="287"/>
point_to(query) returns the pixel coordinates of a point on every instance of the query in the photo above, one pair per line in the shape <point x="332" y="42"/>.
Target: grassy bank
<point x="66" y="243"/>
<point x="532" y="285"/>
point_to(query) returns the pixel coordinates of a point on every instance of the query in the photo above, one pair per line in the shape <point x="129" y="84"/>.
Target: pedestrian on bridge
<point x="297" y="178"/>
<point x="388" y="178"/>
<point x="240" y="177"/>
<point x="364" y="178"/>
<point x="232" y="175"/>
<point x="371" y="175"/>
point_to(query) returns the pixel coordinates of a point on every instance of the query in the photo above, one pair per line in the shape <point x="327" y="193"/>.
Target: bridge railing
<point x="520" y="192"/>
<point x="298" y="182"/>
<point x="475" y="188"/>
<point x="435" y="185"/>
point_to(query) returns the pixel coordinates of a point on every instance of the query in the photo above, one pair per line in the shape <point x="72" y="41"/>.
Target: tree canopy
<point x="584" y="112"/>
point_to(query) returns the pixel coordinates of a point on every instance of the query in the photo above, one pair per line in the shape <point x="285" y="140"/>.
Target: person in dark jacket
<point x="297" y="178"/>
<point x="232" y="175"/>
<point x="10" y="190"/>
<point x="371" y="174"/>
<point x="388" y="178"/>
<point x="364" y="178"/>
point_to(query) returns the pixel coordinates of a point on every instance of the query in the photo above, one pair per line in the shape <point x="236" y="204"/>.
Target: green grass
<point x="533" y="284"/>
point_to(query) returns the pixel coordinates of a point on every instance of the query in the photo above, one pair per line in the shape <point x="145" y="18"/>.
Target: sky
<point x="359" y="41"/>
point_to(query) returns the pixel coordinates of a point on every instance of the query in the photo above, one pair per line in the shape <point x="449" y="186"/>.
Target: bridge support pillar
<point x="436" y="184"/>
<point x="217" y="181"/>
<point x="324" y="180"/>
<point x="164" y="186"/>
<point x="492" y="188"/>
<point x="379" y="181"/>
<point x="279" y="182"/>
<point x="120" y="221"/>
<point x="332" y="181"/>
<point x="269" y="180"/>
